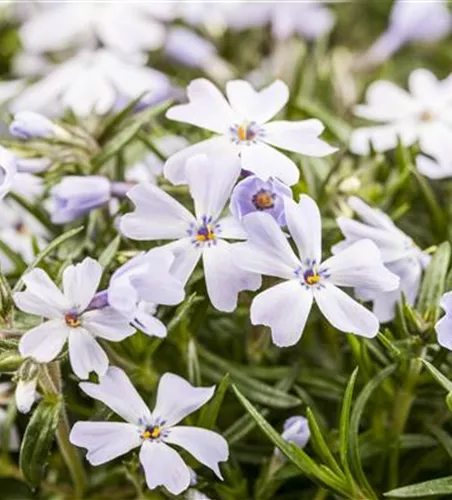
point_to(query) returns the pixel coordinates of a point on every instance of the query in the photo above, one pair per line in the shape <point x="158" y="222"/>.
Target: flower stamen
<point x="263" y="199"/>
<point x="72" y="320"/>
<point x="151" y="432"/>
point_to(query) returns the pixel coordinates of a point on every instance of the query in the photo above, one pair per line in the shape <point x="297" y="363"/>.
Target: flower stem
<point x="51" y="384"/>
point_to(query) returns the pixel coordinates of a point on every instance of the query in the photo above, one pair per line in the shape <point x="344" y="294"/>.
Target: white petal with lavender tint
<point x="117" y="392"/>
<point x="107" y="323"/>
<point x="45" y="341"/>
<point x="266" y="162"/>
<point x="157" y="215"/>
<point x="149" y="324"/>
<point x="85" y="354"/>
<point x="305" y="226"/>
<point x="171" y="407"/>
<point x="206" y="446"/>
<point x="224" y="280"/>
<point x="105" y="441"/>
<point x="444" y="326"/>
<point x="207" y="108"/>
<point x="382" y="137"/>
<point x="344" y="313"/>
<point x="231" y="228"/>
<point x="174" y="169"/>
<point x="258" y="106"/>
<point x="267" y="250"/>
<point x="163" y="466"/>
<point x="285" y="309"/>
<point x="25" y="394"/>
<point x="211" y="180"/>
<point x="41" y="297"/>
<point x="186" y="256"/>
<point x="360" y="265"/>
<point x="80" y="282"/>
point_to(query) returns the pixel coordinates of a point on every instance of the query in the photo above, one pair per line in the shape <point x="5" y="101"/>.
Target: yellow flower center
<point x="205" y="233"/>
<point x="263" y="200"/>
<point x="72" y="320"/>
<point x="151" y="432"/>
<point x="311" y="277"/>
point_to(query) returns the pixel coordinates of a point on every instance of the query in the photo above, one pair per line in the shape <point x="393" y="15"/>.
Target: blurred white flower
<point x="68" y="318"/>
<point x="152" y="432"/>
<point x="158" y="216"/>
<point x="244" y="131"/>
<point x="8" y="171"/>
<point x="422" y="115"/>
<point x="285" y="307"/>
<point x="92" y="82"/>
<point x="416" y="21"/>
<point x="398" y="252"/>
<point x="127" y="27"/>
<point x="438" y="163"/>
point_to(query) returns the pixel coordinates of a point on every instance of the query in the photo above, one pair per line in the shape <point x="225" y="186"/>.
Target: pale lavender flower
<point x="285" y="307"/>
<point x="420" y="21"/>
<point x="68" y="318"/>
<point x="158" y="216"/>
<point x="243" y="129"/>
<point x="398" y="251"/>
<point x="75" y="196"/>
<point x="255" y="195"/>
<point x="138" y="286"/>
<point x="152" y="432"/>
<point x="296" y="430"/>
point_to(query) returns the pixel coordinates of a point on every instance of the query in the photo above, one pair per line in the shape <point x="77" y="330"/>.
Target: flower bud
<point x="30" y="125"/>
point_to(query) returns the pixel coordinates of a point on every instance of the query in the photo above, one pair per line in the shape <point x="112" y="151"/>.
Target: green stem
<point x="51" y="384"/>
<point x="403" y="403"/>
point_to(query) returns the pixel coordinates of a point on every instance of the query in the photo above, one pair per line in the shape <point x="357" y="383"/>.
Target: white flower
<point x="158" y="216"/>
<point x="127" y="27"/>
<point x="151" y="431"/>
<point x="26" y="394"/>
<point x="444" y="326"/>
<point x="410" y="22"/>
<point x="92" y="82"/>
<point x="241" y="123"/>
<point x="139" y="285"/>
<point x="285" y="307"/>
<point x="438" y="163"/>
<point x="419" y="115"/>
<point x="398" y="252"/>
<point x="14" y="440"/>
<point x="8" y="171"/>
<point x="69" y="319"/>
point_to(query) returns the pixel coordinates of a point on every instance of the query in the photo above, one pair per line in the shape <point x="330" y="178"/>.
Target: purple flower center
<point x="72" y="320"/>
<point x="264" y="199"/>
<point x="311" y="277"/>
<point x="206" y="232"/>
<point x="151" y="432"/>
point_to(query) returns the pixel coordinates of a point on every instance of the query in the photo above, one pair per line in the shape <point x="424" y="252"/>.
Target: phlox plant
<point x="225" y="250"/>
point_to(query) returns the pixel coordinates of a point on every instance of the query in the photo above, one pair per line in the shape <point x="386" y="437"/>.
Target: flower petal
<point x="444" y="332"/>
<point x="284" y="308"/>
<point x="45" y="341"/>
<point x="299" y="137"/>
<point x="107" y="323"/>
<point x="224" y="279"/>
<point x="266" y="162"/>
<point x="206" y="446"/>
<point x="116" y="391"/>
<point x="85" y="354"/>
<point x="259" y="106"/>
<point x="42" y="297"/>
<point x="232" y="228"/>
<point x="360" y="265"/>
<point x="186" y="256"/>
<point x="267" y="250"/>
<point x="80" y="283"/>
<point x="157" y="215"/>
<point x="177" y="398"/>
<point x="344" y="313"/>
<point x="305" y="227"/>
<point x="174" y="169"/>
<point x="207" y="108"/>
<point x="163" y="466"/>
<point x="211" y="180"/>
<point x="149" y="324"/>
<point x="105" y="441"/>
<point x="383" y="137"/>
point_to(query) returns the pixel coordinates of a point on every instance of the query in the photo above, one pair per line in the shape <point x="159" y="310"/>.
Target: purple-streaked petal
<point x="107" y="323"/>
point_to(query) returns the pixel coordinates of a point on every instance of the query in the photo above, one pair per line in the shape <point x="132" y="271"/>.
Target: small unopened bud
<point x="30" y="125"/>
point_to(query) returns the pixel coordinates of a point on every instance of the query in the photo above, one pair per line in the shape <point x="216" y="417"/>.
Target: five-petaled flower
<point x="158" y="216"/>
<point x="69" y="319"/>
<point x="285" y="307"/>
<point x="152" y="431"/>
<point x="398" y="251"/>
<point x="244" y="131"/>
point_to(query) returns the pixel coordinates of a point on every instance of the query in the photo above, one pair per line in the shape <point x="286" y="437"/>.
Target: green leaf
<point x="194" y="371"/>
<point x="10" y="361"/>
<point x="438" y="376"/>
<point x="434" y="283"/>
<point x="38" y="440"/>
<point x="442" y="486"/>
<point x="209" y="413"/>
<point x="344" y="424"/>
<point x="107" y="256"/>
<point x="298" y="457"/>
<point x="6" y="300"/>
<point x="319" y="444"/>
<point x="47" y="251"/>
<point x="361" y="401"/>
